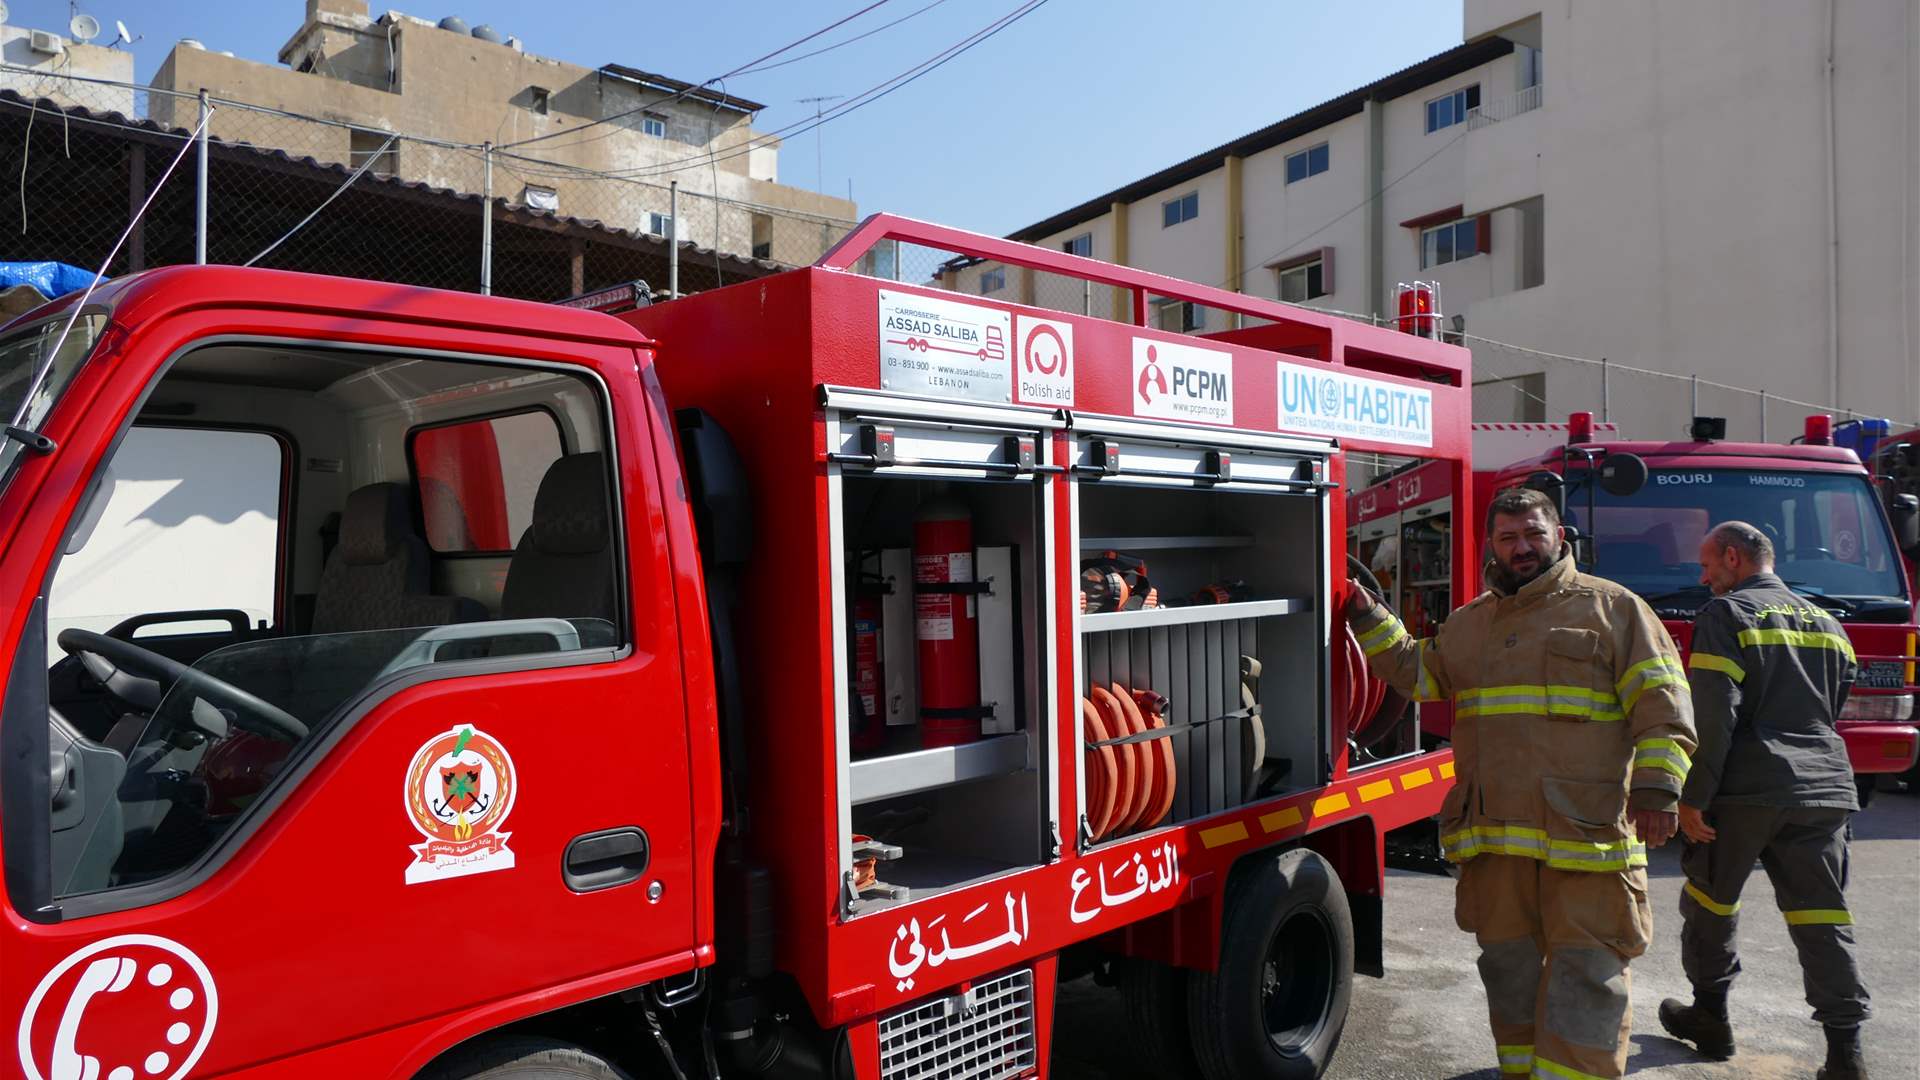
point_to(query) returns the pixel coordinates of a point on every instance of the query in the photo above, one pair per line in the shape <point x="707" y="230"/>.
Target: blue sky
<point x="1073" y="100"/>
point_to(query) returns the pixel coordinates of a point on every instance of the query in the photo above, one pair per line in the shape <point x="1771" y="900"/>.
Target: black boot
<point x="1843" y="1056"/>
<point x="1703" y="1023"/>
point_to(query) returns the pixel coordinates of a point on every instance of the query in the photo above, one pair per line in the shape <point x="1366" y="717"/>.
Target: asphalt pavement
<point x="1427" y="1018"/>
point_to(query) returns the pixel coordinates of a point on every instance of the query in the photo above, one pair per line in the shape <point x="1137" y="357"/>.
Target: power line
<point x="856" y="102"/>
<point x="840" y="44"/>
<point x="717" y="78"/>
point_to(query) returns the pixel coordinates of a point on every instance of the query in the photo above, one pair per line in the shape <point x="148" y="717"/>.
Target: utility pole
<point x="819" y="143"/>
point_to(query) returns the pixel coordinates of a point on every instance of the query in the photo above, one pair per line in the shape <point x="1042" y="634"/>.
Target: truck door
<point x="451" y="791"/>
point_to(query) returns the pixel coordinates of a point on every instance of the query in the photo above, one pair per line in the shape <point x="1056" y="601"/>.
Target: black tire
<point x="1275" y="1007"/>
<point x="522" y="1057"/>
<point x="1155" y="996"/>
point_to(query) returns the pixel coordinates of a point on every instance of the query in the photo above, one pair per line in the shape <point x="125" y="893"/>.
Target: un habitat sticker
<point x="1326" y="402"/>
<point x="945" y="349"/>
<point x="460" y="787"/>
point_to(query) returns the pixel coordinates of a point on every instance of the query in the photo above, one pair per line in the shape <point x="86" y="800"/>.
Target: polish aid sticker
<point x="460" y="788"/>
<point x="123" y="1007"/>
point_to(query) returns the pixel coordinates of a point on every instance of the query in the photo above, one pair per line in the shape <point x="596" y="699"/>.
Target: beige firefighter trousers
<point x="1554" y="947"/>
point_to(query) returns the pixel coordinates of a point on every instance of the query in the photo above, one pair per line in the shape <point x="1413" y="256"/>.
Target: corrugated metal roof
<point x="1405" y="81"/>
<point x="341" y="172"/>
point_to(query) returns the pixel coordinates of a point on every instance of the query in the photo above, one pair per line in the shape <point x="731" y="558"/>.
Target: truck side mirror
<point x="1622" y="474"/>
<point x="1904" y="512"/>
<point x="1553" y="486"/>
<point x="1582" y="545"/>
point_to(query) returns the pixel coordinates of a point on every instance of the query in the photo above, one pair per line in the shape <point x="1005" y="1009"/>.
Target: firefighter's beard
<point x="1510" y="581"/>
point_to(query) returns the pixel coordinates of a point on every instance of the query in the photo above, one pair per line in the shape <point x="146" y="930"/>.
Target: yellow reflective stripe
<point x="1423" y="687"/>
<point x="1553" y="700"/>
<point x="1808" y="639"/>
<point x="1705" y="901"/>
<point x="1819" y="917"/>
<point x="1387" y="625"/>
<point x="1647" y="674"/>
<point x="1662" y="754"/>
<point x="1553" y="1070"/>
<point x="1516" y="1059"/>
<point x="1702" y="661"/>
<point x="1399" y="635"/>
<point x="1535" y="844"/>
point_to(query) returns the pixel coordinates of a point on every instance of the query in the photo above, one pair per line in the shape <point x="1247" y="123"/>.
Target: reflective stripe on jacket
<point x="1570" y="701"/>
<point x="1770" y="671"/>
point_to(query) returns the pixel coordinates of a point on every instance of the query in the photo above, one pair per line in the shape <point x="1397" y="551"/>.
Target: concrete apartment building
<point x="1658" y="184"/>
<point x="394" y="73"/>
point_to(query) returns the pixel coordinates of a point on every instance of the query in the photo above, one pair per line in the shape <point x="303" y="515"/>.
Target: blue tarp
<point x="53" y="279"/>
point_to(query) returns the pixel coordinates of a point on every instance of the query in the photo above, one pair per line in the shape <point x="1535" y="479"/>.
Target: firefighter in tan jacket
<point x="1572" y="730"/>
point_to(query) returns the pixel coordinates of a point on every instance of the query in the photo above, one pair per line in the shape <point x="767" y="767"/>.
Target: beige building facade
<point x="1653" y="184"/>
<point x="611" y="139"/>
<point x="30" y="55"/>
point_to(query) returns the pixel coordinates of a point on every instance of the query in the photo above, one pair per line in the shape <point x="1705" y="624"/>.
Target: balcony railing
<point x="1505" y="108"/>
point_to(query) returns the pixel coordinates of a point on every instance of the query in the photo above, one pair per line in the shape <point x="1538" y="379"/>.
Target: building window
<point x="362" y="145"/>
<point x="1081" y="245"/>
<point x="539" y="99"/>
<point x="1304" y="282"/>
<point x="660" y="224"/>
<point x="1184" y="208"/>
<point x="1309" y="162"/>
<point x="762" y="236"/>
<point x="1179" y="316"/>
<point x="992" y="281"/>
<point x="1451" y="242"/>
<point x="1452" y="109"/>
<point x="653" y="125"/>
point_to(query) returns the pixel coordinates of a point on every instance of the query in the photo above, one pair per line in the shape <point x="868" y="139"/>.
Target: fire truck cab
<point x="1837" y="541"/>
<point x="794" y="680"/>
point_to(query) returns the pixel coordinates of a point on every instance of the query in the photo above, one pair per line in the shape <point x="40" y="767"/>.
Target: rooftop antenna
<point x="819" y="144"/>
<point x="124" y="36"/>
<point x="84" y="27"/>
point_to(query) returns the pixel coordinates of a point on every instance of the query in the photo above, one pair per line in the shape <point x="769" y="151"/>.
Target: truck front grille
<point x="983" y="1034"/>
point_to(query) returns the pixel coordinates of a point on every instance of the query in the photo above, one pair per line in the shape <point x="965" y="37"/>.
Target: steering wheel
<point x="140" y="677"/>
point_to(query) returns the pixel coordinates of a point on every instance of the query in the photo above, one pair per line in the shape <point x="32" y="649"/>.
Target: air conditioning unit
<point x="46" y="42"/>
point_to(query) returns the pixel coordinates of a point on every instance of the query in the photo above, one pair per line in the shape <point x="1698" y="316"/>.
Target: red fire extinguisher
<point x="869" y="720"/>
<point x="945" y="625"/>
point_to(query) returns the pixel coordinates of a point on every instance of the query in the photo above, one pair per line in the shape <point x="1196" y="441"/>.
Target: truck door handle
<point x="601" y="860"/>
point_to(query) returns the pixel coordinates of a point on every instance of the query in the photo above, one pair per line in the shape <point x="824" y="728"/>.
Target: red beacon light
<point x="1579" y="428"/>
<point x="1819" y="430"/>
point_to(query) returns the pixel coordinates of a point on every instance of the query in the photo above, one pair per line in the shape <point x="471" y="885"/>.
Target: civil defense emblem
<point x="460" y="787"/>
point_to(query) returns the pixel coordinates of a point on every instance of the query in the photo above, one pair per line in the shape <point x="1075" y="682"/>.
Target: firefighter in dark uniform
<point x="1769" y="670"/>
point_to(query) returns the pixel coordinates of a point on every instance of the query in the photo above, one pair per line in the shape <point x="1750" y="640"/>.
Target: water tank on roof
<point x="515" y="44"/>
<point x="488" y="33"/>
<point x="192" y="43"/>
<point x="454" y="23"/>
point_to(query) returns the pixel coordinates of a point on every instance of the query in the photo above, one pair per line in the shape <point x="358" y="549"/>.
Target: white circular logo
<point x="126" y="1007"/>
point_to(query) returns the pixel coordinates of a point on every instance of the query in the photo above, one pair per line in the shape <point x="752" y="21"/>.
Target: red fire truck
<point x="798" y="679"/>
<point x="1643" y="506"/>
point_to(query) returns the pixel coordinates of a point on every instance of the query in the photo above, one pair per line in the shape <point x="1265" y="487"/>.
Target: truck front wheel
<point x="1278" y="1001"/>
<point x="522" y="1058"/>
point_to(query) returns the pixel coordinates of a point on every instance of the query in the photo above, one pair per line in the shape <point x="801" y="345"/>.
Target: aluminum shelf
<point x="1197" y="613"/>
<point x="879" y="778"/>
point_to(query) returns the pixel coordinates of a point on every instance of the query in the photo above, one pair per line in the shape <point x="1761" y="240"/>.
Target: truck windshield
<point x="1828" y="531"/>
<point x="24" y="357"/>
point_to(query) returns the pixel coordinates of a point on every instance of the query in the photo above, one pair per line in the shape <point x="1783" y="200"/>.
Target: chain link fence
<point x="282" y="192"/>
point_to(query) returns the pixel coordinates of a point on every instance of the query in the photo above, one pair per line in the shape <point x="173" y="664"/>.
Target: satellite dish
<point x="84" y="27"/>
<point x="3" y="13"/>
<point x="125" y="36"/>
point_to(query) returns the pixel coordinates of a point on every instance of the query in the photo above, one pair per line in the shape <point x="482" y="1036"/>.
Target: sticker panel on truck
<point x="945" y="349"/>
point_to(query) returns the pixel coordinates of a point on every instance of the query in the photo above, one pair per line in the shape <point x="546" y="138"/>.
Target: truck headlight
<point x="1893" y="707"/>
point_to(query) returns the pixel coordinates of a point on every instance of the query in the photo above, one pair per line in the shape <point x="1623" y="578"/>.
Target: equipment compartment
<point x="1221" y="621"/>
<point x="946" y="641"/>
